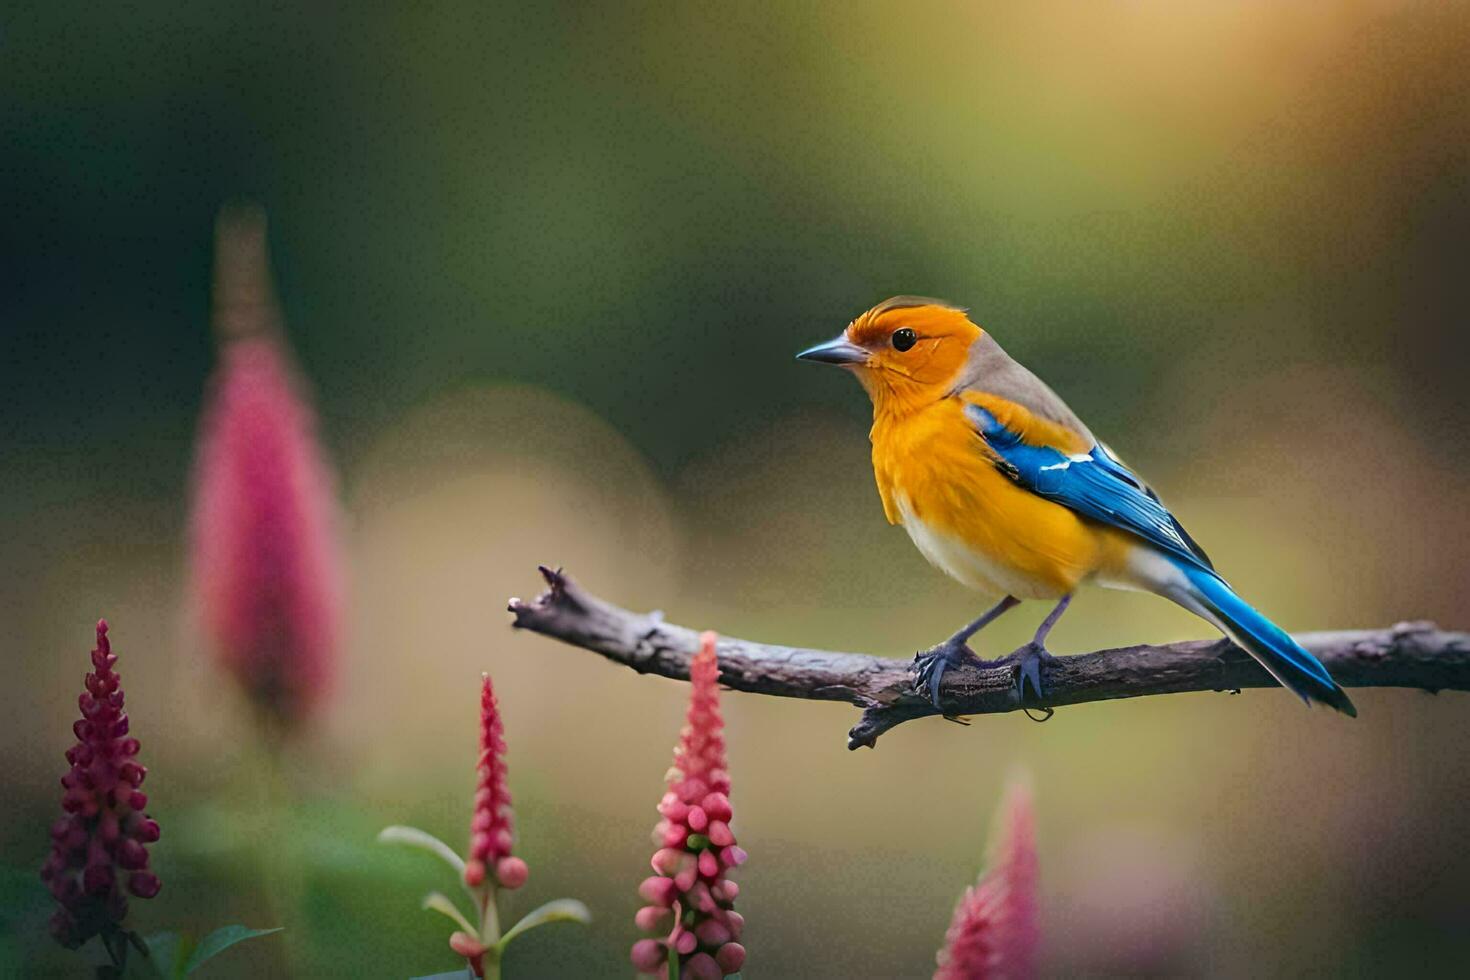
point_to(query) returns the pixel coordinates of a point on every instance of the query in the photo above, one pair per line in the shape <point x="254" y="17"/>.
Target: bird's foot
<point x="933" y="662"/>
<point x="1029" y="660"/>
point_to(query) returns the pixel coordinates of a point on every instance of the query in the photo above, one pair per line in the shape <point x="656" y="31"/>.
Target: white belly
<point x="959" y="561"/>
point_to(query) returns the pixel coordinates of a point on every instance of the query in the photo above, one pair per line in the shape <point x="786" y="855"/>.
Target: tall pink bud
<point x="266" y="561"/>
<point x="994" y="934"/>
<point x="690" y="896"/>
<point x="99" y="850"/>
<point x="492" y="829"/>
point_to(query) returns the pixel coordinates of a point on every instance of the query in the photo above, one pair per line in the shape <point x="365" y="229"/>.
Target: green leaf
<point x="168" y="951"/>
<point x="424" y="841"/>
<point x="560" y="910"/>
<point x="220" y="940"/>
<point x="439" y="902"/>
<point x="464" y="974"/>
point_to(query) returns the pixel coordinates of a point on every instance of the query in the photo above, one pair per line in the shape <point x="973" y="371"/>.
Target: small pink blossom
<point x="99" y="847"/>
<point x="265" y="554"/>
<point x="994" y="934"/>
<point x="690" y="899"/>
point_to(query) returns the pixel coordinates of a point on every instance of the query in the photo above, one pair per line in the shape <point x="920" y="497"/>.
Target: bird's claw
<point x="933" y="662"/>
<point x="1029" y="660"/>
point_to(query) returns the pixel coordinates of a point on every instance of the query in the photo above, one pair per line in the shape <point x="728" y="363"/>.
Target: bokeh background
<point x="546" y="269"/>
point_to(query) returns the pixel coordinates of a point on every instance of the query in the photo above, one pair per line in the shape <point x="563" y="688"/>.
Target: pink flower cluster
<point x="265" y="553"/>
<point x="101" y="841"/>
<point x="994" y="932"/>
<point x="491" y="829"/>
<point x="690" y="898"/>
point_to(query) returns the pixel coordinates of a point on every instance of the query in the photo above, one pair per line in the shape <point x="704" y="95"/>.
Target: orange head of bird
<point x="905" y="350"/>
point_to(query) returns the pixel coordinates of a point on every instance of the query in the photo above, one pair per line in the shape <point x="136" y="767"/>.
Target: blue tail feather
<point x="1285" y="658"/>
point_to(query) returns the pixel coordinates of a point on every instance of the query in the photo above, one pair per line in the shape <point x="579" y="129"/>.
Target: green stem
<point x="489" y="915"/>
<point x="490" y="928"/>
<point x="673" y="963"/>
<point x="285" y="885"/>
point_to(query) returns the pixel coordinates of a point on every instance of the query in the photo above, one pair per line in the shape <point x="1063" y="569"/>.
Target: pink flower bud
<point x="685" y="943"/>
<point x="697" y="819"/>
<point x="652" y="918"/>
<point x="474" y="872"/>
<point x="702" y="966"/>
<point x="673" y="808"/>
<point x="471" y="949"/>
<point x="144" y="884"/>
<point x="146" y="831"/>
<point x="712" y="932"/>
<point x="647" y="955"/>
<point x="466" y="945"/>
<point x="666" y="860"/>
<point x="717" y="805"/>
<point x="730" y="957"/>
<point x="658" y="891"/>
<point x="719" y="834"/>
<point x="511" y="872"/>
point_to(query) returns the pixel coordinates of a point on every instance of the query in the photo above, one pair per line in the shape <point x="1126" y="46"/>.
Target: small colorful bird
<point x="1001" y="486"/>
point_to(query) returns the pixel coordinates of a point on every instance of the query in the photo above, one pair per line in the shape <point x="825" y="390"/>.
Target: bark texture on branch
<point x="1416" y="655"/>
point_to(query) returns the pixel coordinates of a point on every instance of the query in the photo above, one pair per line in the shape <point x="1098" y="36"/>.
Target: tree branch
<point x="1414" y="655"/>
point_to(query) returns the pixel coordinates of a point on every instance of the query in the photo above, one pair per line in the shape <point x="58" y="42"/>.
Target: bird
<point x="1000" y="485"/>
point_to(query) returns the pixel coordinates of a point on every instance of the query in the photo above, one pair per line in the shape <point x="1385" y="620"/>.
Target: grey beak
<point x="835" y="351"/>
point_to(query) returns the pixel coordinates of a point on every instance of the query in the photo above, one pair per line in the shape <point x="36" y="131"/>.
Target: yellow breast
<point x="937" y="479"/>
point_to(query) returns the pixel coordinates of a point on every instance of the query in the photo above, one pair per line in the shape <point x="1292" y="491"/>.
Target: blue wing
<point x="1093" y="484"/>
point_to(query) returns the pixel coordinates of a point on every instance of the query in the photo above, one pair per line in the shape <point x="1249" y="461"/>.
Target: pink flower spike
<point x="696" y="846"/>
<point x="490" y="828"/>
<point x="994" y="931"/>
<point x="103" y="831"/>
<point x="266" y="563"/>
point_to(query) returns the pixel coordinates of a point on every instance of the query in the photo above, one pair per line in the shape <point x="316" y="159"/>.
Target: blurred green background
<point x="547" y="268"/>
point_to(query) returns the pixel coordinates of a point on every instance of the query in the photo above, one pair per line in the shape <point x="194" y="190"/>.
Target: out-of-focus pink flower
<point x="690" y="897"/>
<point x="493" y="825"/>
<point x="266" y="560"/>
<point x="99" y="847"/>
<point x="994" y="933"/>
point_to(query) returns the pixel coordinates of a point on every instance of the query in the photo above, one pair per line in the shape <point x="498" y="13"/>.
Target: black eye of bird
<point x="904" y="338"/>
